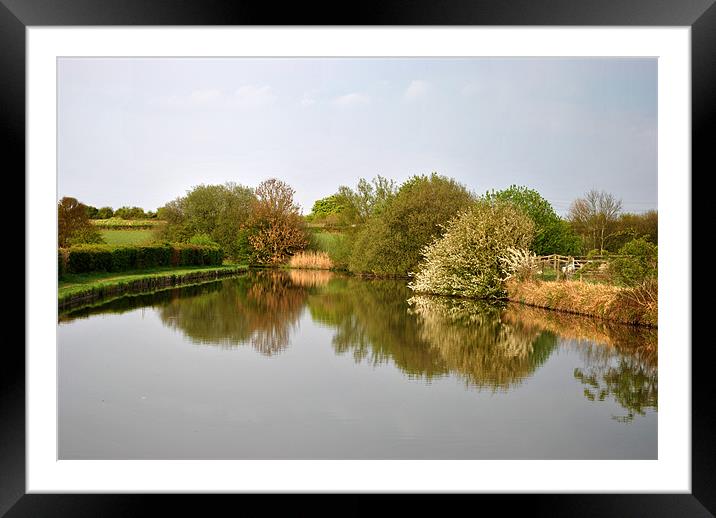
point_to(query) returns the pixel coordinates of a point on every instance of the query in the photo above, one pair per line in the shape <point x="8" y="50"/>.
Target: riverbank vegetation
<point x="430" y="229"/>
<point x="85" y="288"/>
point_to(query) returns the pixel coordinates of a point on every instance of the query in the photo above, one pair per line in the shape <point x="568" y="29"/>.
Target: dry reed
<point x="625" y="305"/>
<point x="311" y="260"/>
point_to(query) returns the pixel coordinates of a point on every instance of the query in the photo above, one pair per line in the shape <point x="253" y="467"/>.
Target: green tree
<point x="552" y="234"/>
<point x="640" y="262"/>
<point x="73" y="224"/>
<point x="129" y="213"/>
<point x="631" y="226"/>
<point x="366" y="200"/>
<point x="91" y="212"/>
<point x="105" y="213"/>
<point x="326" y="210"/>
<point x="467" y="260"/>
<point x="391" y="241"/>
<point x="218" y="211"/>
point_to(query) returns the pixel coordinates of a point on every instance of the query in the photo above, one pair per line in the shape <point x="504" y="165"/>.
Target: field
<point x="128" y="237"/>
<point x="127" y="223"/>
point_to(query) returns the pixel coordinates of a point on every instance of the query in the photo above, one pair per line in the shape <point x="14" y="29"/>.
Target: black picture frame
<point x="700" y="15"/>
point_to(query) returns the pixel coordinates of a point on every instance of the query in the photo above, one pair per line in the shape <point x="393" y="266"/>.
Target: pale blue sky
<point x="144" y="131"/>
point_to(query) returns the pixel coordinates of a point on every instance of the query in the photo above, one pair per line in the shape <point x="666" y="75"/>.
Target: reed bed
<point x="311" y="261"/>
<point x="636" y="305"/>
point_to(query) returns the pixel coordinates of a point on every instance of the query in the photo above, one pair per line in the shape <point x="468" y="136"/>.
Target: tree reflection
<point x="620" y="361"/>
<point x="260" y="309"/>
<point x="473" y="341"/>
<point x="377" y="321"/>
<point x="428" y="337"/>
<point x="371" y="321"/>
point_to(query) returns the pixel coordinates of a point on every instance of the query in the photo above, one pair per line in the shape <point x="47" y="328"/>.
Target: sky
<point x="143" y="131"/>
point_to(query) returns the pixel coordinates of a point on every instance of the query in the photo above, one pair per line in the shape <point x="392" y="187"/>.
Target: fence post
<point x="556" y="267"/>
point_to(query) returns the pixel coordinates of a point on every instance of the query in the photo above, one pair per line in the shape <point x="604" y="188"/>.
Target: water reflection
<point x="473" y="340"/>
<point x="620" y="362"/>
<point x="486" y="346"/>
<point x="259" y="309"/>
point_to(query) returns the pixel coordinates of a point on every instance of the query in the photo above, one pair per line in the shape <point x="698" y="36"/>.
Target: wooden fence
<point x="569" y="267"/>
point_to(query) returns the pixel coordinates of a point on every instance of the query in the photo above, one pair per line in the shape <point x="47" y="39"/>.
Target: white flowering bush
<point x="519" y="263"/>
<point x="468" y="260"/>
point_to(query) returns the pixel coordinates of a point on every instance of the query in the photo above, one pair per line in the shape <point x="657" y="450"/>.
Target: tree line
<point x="377" y="226"/>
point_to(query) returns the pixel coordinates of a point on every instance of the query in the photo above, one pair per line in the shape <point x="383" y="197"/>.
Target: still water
<point x="312" y="365"/>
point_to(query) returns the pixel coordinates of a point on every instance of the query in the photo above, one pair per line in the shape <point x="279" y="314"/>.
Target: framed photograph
<point x="417" y="251"/>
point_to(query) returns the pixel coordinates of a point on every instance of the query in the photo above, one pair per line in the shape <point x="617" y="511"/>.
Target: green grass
<point x="326" y="241"/>
<point x="128" y="237"/>
<point x="72" y="284"/>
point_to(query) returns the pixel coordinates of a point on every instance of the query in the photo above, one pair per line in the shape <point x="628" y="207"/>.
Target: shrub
<point x="61" y="263"/>
<point x="202" y="239"/>
<point x="93" y="258"/>
<point x="640" y="265"/>
<point x="391" y="241"/>
<point x="519" y="263"/>
<point x="466" y="261"/>
<point x="86" y="235"/>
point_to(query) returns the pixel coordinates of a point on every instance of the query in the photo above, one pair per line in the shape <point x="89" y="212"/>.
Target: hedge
<point x="109" y="258"/>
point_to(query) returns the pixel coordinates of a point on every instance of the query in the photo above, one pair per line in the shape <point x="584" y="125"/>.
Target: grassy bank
<point x="636" y="305"/>
<point x="76" y="289"/>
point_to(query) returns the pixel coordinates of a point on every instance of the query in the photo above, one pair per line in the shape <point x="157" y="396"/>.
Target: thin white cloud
<point x="308" y="100"/>
<point x="245" y="97"/>
<point x="251" y="96"/>
<point x="471" y="89"/>
<point x="417" y="89"/>
<point x="352" y="99"/>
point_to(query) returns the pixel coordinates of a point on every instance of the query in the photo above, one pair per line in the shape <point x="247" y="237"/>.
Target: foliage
<point x="519" y="263"/>
<point x="130" y="213"/>
<point x="91" y="211"/>
<point x="630" y="226"/>
<point x="85" y="235"/>
<point x="219" y="211"/>
<point x="276" y="229"/>
<point x="466" y="261"/>
<point x="104" y="213"/>
<point x="640" y="265"/>
<point x="366" y="200"/>
<point x="326" y="210"/>
<point x="391" y="241"/>
<point x="552" y="234"/>
<point x="73" y="225"/>
<point x="203" y="239"/>
<point x="108" y="258"/>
